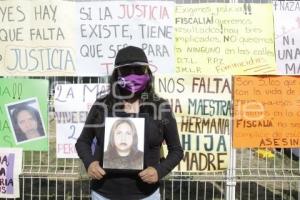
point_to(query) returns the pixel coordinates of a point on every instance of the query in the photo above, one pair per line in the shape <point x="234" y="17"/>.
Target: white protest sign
<point x="106" y="27"/>
<point x="72" y="103"/>
<point x="287" y="36"/>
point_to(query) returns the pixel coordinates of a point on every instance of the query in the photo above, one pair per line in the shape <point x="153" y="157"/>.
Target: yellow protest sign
<point x="224" y="39"/>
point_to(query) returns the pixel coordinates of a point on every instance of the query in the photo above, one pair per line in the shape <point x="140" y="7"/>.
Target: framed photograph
<point x="124" y="143"/>
<point x="26" y="120"/>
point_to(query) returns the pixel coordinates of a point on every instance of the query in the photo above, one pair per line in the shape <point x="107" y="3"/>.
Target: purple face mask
<point x="134" y="83"/>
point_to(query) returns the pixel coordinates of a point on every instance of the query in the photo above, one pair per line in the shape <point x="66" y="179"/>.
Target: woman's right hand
<point x="95" y="171"/>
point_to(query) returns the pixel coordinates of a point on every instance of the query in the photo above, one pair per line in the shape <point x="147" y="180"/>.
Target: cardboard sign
<point x="72" y="103"/>
<point x="266" y="111"/>
<point x="223" y="38"/>
<point x="43" y="38"/>
<point x="24" y="113"/>
<point x="202" y="106"/>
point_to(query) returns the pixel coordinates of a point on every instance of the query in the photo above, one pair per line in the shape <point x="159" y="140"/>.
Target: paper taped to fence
<point x="24" y="113"/>
<point x="72" y="103"/>
<point x="10" y="169"/>
<point x="223" y="38"/>
<point x="64" y="38"/>
<point x="266" y="111"/>
<point x="287" y="36"/>
<point x="202" y="107"/>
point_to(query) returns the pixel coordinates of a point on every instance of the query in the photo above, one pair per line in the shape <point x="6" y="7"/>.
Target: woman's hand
<point x="95" y="171"/>
<point x="149" y="175"/>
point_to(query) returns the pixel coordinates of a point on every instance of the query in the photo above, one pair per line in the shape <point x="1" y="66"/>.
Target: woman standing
<point x="132" y="95"/>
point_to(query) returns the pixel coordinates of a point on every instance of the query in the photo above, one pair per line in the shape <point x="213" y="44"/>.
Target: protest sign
<point x="287" y="36"/>
<point x="217" y="38"/>
<point x="72" y="103"/>
<point x="37" y="38"/>
<point x="202" y="106"/>
<point x="24" y="113"/>
<point x="266" y="111"/>
<point x="106" y="27"/>
<point x="10" y="169"/>
<point x="43" y="38"/>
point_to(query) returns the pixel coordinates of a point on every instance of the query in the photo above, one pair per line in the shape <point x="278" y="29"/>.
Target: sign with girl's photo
<point x="24" y="113"/>
<point x="124" y="143"/>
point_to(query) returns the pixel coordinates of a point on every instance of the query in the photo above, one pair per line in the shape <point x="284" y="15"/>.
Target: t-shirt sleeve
<point x="170" y="132"/>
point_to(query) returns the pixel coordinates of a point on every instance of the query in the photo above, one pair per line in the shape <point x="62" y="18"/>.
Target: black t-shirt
<point x="128" y="185"/>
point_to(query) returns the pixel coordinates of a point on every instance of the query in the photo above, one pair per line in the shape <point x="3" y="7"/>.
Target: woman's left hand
<point x="149" y="175"/>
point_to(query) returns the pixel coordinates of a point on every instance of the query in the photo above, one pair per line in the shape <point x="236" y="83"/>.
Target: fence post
<point x="230" y="174"/>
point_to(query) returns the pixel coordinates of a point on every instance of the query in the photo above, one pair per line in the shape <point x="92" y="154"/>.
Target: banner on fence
<point x="202" y="106"/>
<point x="24" y="113"/>
<point x="287" y="36"/>
<point x="266" y="111"/>
<point x="37" y="38"/>
<point x="72" y="103"/>
<point x="224" y="39"/>
<point x="106" y="27"/>
<point x="10" y="169"/>
<point x="63" y="38"/>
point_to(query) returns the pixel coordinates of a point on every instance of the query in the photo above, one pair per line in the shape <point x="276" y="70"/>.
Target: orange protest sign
<point x="266" y="111"/>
